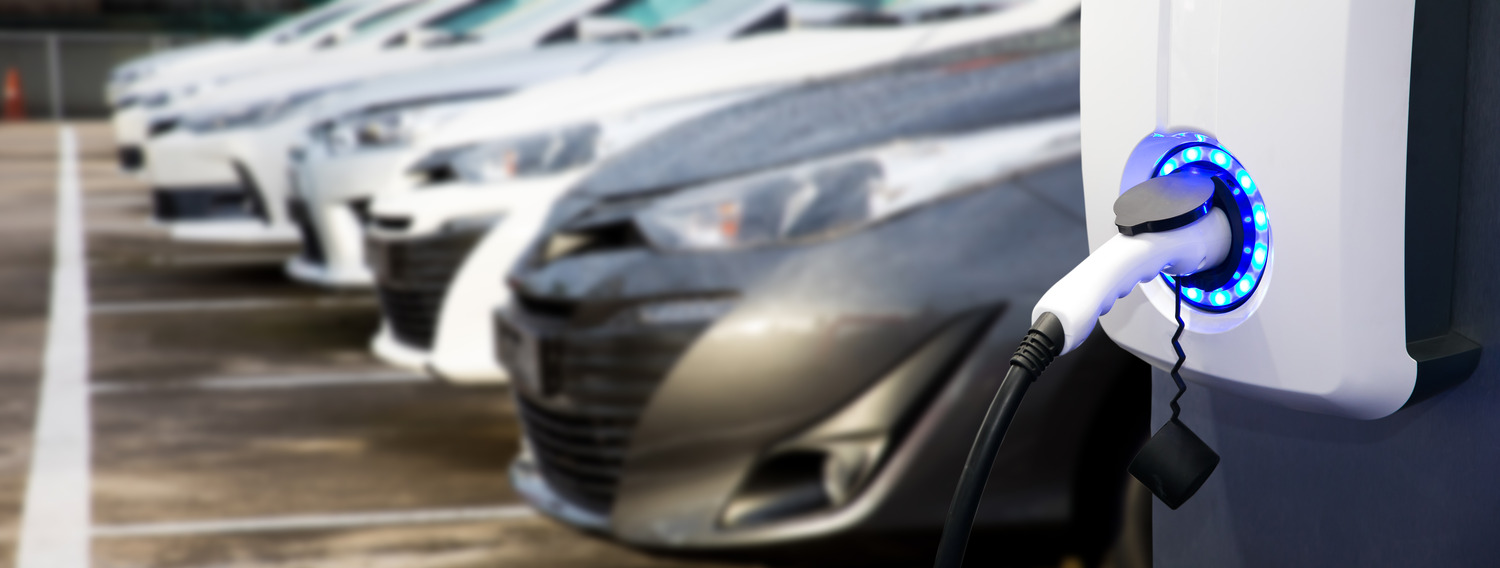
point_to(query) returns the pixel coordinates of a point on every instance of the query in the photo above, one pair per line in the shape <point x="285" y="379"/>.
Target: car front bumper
<point x="310" y="271"/>
<point x="674" y="434"/>
<point x="130" y="126"/>
<point x="436" y="274"/>
<point x="332" y="196"/>
<point x="193" y="182"/>
<point x="184" y="159"/>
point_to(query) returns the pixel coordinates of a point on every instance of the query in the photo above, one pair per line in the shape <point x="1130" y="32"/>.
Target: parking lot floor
<point x="236" y="419"/>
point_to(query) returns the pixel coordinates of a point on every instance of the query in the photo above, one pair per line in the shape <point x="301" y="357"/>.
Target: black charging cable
<point x="1042" y="344"/>
<point x="1173" y="465"/>
<point x="1177" y="346"/>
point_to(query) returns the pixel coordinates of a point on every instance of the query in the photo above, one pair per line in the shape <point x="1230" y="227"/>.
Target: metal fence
<point x="63" y="74"/>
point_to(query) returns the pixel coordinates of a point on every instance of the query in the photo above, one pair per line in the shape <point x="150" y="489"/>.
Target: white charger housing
<point x="1347" y="113"/>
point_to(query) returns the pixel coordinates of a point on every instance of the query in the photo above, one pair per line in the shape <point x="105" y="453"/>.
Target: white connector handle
<point x="1112" y="271"/>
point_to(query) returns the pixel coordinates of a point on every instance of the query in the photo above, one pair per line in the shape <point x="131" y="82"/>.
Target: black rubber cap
<point x="1164" y="203"/>
<point x="1174" y="463"/>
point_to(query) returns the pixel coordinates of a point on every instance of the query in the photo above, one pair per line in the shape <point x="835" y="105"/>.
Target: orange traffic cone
<point x="15" y="104"/>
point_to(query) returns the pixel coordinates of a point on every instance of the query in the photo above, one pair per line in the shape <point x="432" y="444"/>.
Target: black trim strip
<point x="1434" y="175"/>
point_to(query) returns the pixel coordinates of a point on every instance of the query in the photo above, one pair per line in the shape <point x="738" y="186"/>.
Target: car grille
<point x="412" y="278"/>
<point x="312" y="245"/>
<point x="599" y="382"/>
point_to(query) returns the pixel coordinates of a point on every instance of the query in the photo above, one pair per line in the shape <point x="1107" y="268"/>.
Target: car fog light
<point x="847" y="467"/>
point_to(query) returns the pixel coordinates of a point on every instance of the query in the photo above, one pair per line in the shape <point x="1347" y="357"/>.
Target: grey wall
<point x="1419" y="488"/>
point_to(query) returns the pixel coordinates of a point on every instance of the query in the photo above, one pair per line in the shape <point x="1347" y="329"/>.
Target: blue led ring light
<point x="1196" y="151"/>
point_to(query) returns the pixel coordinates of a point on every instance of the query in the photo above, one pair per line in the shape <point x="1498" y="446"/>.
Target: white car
<point x="364" y="141"/>
<point x="141" y="88"/>
<point x="311" y="26"/>
<point x="511" y="159"/>
<point x="218" y="166"/>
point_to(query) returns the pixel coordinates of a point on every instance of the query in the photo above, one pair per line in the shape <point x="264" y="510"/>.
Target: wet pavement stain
<point x="181" y="345"/>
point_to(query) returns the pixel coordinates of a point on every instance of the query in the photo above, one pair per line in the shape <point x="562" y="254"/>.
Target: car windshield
<point x="651" y="14"/>
<point x="475" y="15"/>
<point x="898" y="12"/>
<point x="709" y="13"/>
<point x="377" y="22"/>
<point x="894" y="5"/>
<point x="864" y="4"/>
<point x="305" y="24"/>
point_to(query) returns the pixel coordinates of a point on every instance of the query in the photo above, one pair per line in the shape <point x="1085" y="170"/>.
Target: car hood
<point x="191" y="69"/>
<point x="758" y="61"/>
<point x="352" y="69"/>
<point x="488" y="75"/>
<point x="952" y="92"/>
<point x="179" y="55"/>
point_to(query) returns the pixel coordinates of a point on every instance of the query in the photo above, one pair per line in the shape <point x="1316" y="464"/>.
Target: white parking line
<point x="315" y="522"/>
<point x="55" y="519"/>
<point x="229" y="304"/>
<point x="263" y="382"/>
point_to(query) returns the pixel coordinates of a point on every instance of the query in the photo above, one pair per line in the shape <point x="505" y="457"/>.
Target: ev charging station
<point x="1343" y="172"/>
<point x="1271" y="190"/>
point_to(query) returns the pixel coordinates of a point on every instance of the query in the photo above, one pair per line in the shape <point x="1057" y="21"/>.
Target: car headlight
<point x="536" y="155"/>
<point x="155" y="100"/>
<point x="833" y="197"/>
<point x="129" y="75"/>
<point x="768" y="209"/>
<point x="257" y="114"/>
<point x="371" y="130"/>
<point x="162" y="126"/>
<point x="394" y="125"/>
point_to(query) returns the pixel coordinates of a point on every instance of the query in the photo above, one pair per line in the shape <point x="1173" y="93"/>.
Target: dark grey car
<point x="827" y="385"/>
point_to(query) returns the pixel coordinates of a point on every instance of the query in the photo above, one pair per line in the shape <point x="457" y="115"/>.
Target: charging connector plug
<point x="1167" y="225"/>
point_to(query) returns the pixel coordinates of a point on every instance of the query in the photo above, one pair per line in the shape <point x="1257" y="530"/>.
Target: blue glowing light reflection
<point x="1246" y="182"/>
<point x="1200" y="154"/>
